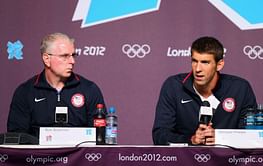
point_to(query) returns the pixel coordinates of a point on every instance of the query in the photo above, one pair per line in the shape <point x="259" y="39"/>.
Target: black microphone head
<point x="205" y="113"/>
<point x="61" y="115"/>
<point x="206" y="103"/>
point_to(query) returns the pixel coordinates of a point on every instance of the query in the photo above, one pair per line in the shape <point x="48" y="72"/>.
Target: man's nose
<point x="198" y="67"/>
<point x="72" y="60"/>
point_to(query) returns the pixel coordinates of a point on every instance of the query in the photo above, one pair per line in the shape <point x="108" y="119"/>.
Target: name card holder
<point x="67" y="136"/>
<point x="239" y="138"/>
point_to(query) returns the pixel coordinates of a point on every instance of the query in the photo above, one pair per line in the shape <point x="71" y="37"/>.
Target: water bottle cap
<point x="99" y="106"/>
<point x="250" y="109"/>
<point x="260" y="106"/>
<point x="112" y="110"/>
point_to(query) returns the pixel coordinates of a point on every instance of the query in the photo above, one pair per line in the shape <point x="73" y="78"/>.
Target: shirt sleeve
<point x="165" y="118"/>
<point x="19" y="118"/>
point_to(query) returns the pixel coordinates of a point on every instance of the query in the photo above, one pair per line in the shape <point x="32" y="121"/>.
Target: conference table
<point x="118" y="155"/>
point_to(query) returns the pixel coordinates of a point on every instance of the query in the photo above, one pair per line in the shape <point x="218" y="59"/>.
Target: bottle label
<point x="259" y="119"/>
<point x="111" y="131"/>
<point x="250" y="120"/>
<point x="99" y="122"/>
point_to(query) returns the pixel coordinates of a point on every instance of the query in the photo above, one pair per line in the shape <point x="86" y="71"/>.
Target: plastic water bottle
<point x="99" y="121"/>
<point x="111" y="127"/>
<point x="259" y="117"/>
<point x="250" y="119"/>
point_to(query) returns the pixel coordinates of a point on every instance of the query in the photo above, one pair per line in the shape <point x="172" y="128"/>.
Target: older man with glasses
<point x="35" y="102"/>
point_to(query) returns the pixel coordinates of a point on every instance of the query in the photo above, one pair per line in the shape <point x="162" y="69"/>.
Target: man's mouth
<point x="199" y="77"/>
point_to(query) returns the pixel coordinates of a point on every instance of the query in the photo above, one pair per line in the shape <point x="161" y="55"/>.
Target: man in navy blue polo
<point x="177" y="113"/>
<point x="55" y="90"/>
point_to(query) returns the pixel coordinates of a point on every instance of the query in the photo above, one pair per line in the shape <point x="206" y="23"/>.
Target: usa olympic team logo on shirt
<point x="78" y="100"/>
<point x="229" y="104"/>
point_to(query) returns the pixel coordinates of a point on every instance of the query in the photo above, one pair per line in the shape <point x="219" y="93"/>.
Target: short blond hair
<point x="50" y="38"/>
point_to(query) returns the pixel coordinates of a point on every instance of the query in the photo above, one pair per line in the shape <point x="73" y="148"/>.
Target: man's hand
<point x="204" y="135"/>
<point x="209" y="133"/>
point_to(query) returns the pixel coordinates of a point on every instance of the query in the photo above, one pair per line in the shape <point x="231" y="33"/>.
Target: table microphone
<point x="61" y="116"/>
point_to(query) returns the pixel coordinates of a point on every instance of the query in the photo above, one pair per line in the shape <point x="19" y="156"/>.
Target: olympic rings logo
<point x="93" y="156"/>
<point x="136" y="50"/>
<point x="202" y="157"/>
<point x="3" y="157"/>
<point x="253" y="52"/>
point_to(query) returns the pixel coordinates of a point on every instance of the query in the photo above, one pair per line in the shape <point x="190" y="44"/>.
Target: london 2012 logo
<point x="93" y="12"/>
<point x="14" y="50"/>
<point x="245" y="14"/>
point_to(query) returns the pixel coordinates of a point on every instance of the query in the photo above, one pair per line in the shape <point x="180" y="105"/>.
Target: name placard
<point x="239" y="138"/>
<point x="67" y="136"/>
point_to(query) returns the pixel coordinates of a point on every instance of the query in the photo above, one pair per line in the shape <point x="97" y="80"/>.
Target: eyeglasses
<point x="65" y="56"/>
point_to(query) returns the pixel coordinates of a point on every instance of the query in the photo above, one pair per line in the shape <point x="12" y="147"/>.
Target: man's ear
<point x="46" y="59"/>
<point x="220" y="65"/>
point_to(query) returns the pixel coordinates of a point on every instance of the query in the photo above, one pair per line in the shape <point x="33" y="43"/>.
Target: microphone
<point x="61" y="115"/>
<point x="205" y="113"/>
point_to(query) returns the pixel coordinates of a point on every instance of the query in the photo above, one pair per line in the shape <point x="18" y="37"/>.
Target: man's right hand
<point x="201" y="133"/>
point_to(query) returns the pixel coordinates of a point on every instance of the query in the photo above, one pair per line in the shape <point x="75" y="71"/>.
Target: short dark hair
<point x="208" y="45"/>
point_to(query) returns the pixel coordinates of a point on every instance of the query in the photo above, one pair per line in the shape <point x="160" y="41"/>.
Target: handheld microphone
<point x="205" y="113"/>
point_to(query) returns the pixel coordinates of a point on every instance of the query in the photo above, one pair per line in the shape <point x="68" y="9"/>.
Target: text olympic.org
<point x="49" y="159"/>
<point x="245" y="160"/>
